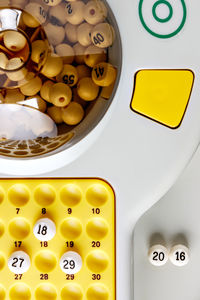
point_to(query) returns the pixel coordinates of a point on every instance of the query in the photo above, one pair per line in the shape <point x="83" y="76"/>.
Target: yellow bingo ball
<point x="71" y="33"/>
<point x="18" y="3"/>
<point x="39" y="49"/>
<point x="94" y="55"/>
<point x="3" y="62"/>
<point x="55" y="34"/>
<point x="69" y="75"/>
<point x="13" y="96"/>
<point x="74" y="12"/>
<point x="55" y="114"/>
<point x="37" y="1"/>
<point x="51" y="2"/>
<point x="79" y="53"/>
<point x="107" y="91"/>
<point x="83" y="71"/>
<point x="29" y="76"/>
<point x="37" y="11"/>
<point x="13" y="65"/>
<point x="4" y="3"/>
<point x="29" y="20"/>
<point x="84" y="34"/>
<point x="66" y="52"/>
<point x="60" y="94"/>
<point x="40" y="2"/>
<point x="14" y="40"/>
<point x="95" y="12"/>
<point x="44" y="92"/>
<point x="53" y="66"/>
<point x="32" y="87"/>
<point x="103" y="35"/>
<point x="87" y="89"/>
<point x="104" y="74"/>
<point x="77" y="99"/>
<point x="58" y="15"/>
<point x="36" y="102"/>
<point x="73" y="113"/>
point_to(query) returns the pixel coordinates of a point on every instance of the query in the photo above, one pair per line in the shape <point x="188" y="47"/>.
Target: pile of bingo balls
<point x="58" y="57"/>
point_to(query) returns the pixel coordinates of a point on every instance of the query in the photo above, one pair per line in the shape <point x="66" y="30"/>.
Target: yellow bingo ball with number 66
<point x="104" y="74"/>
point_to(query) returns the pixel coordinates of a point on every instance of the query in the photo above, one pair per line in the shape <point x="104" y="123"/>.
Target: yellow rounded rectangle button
<point x="162" y="95"/>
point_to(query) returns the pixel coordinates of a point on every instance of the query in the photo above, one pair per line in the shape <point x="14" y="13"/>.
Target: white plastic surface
<point x="176" y="218"/>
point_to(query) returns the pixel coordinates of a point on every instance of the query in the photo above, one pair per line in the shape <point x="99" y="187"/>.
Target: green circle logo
<point x="162" y="20"/>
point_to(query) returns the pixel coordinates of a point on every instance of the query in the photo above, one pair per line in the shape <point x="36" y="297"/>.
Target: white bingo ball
<point x="74" y="12"/>
<point x="71" y="262"/>
<point x="179" y="255"/>
<point x="158" y="255"/>
<point x="103" y="35"/>
<point x="15" y="64"/>
<point x="57" y="15"/>
<point x="36" y="11"/>
<point x="14" y="40"/>
<point x="44" y="230"/>
<point x="19" y="262"/>
<point x="55" y="34"/>
<point x="95" y="12"/>
<point x="84" y="34"/>
<point x="71" y="32"/>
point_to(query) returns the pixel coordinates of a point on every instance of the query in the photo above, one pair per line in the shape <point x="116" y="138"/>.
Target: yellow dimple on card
<point x="57" y="239"/>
